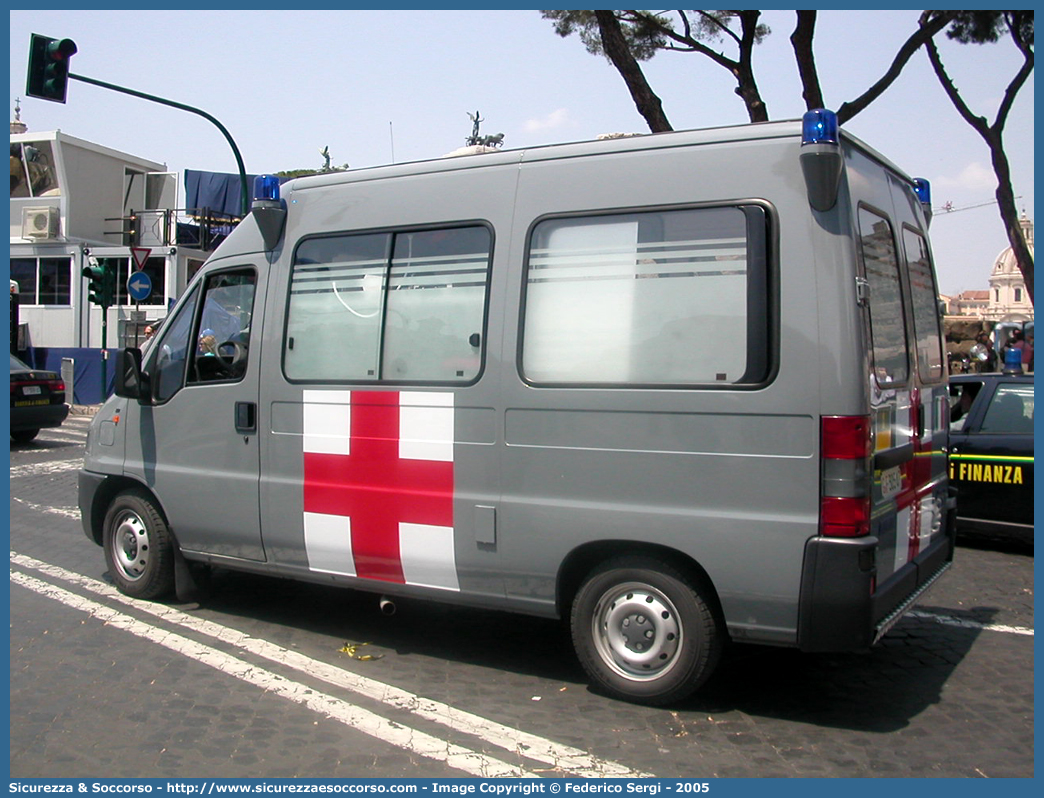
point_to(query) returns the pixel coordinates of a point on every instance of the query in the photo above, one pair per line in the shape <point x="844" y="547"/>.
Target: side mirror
<point x="131" y="382"/>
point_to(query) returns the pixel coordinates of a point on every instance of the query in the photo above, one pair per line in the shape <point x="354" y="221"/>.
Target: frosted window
<point x="652" y="298"/>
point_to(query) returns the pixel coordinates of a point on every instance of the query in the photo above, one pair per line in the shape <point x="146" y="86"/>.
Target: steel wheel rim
<point x="637" y="631"/>
<point x="130" y="546"/>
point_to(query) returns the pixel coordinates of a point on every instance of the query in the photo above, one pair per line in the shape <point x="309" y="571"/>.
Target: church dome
<point x="1005" y="262"/>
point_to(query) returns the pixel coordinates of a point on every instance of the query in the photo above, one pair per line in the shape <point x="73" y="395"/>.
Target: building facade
<point x="75" y="203"/>
<point x="1008" y="299"/>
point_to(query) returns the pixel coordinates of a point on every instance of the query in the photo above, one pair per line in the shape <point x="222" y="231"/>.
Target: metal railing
<point x="197" y="228"/>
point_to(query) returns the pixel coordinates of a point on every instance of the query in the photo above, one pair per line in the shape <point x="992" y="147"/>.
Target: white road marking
<point x="965" y="624"/>
<point x="65" y="512"/>
<point x="45" y="469"/>
<point x="566" y="760"/>
<point x="472" y="762"/>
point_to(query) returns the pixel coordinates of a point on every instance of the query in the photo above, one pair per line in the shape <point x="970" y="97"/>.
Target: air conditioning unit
<point x="40" y="223"/>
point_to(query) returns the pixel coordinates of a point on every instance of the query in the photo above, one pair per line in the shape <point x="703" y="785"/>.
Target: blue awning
<point x="218" y="191"/>
<point x="215" y="190"/>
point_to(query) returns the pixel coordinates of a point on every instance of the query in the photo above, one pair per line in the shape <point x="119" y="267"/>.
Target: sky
<point x="391" y="86"/>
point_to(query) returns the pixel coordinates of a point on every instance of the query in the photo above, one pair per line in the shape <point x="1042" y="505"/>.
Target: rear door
<point x="908" y="393"/>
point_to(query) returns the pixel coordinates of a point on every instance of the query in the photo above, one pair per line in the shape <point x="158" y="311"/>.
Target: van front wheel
<point x="139" y="549"/>
<point x="644" y="632"/>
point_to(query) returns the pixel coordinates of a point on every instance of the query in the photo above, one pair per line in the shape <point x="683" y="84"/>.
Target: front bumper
<point x="87" y="486"/>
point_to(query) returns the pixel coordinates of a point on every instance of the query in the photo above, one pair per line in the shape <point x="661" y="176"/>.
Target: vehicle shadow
<point x="39" y="444"/>
<point x="877" y="691"/>
<point x="1005" y="545"/>
<point x="535" y="646"/>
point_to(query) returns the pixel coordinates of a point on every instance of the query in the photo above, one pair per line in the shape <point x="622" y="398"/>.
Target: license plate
<point x="30" y="390"/>
<point x="32" y="402"/>
<point x="891" y="482"/>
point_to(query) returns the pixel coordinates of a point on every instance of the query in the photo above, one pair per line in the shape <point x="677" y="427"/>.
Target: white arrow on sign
<point x="139" y="286"/>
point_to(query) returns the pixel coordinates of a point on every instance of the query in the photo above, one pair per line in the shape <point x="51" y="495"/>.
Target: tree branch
<point x="694" y="45"/>
<point x="614" y="44"/>
<point x="929" y="26"/>
<point x="801" y="40"/>
<point x="977" y="122"/>
<point x="717" y="23"/>
<point x="993" y="136"/>
<point x="1020" y="78"/>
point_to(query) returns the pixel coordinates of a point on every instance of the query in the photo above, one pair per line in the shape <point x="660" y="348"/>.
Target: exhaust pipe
<point x="387" y="606"/>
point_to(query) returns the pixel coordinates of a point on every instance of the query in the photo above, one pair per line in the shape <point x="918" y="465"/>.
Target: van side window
<point x="223" y="340"/>
<point x="925" y="306"/>
<point x="887" y="327"/>
<point x="436" y="305"/>
<point x="406" y="306"/>
<point x="654" y="298"/>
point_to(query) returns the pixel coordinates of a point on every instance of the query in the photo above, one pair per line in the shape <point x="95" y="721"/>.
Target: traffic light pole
<point x="244" y="199"/>
<point x="105" y="355"/>
<point x="102" y="292"/>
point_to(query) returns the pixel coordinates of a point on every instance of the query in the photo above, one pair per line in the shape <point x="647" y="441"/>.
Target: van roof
<point x="783" y="129"/>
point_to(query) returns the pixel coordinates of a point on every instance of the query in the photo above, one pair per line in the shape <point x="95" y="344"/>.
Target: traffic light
<point x="101" y="289"/>
<point x="49" y="67"/>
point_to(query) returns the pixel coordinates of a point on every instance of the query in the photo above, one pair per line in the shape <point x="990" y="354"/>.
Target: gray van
<point x="678" y="389"/>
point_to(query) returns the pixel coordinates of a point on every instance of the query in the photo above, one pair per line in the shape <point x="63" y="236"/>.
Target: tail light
<point x="54" y="386"/>
<point x="844" y="507"/>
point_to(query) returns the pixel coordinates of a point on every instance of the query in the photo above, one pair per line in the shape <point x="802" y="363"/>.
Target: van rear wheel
<point x="644" y="632"/>
<point x="139" y="549"/>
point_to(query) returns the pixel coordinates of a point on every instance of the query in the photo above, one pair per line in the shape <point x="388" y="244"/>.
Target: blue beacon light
<point x="821" y="159"/>
<point x="1013" y="361"/>
<point x="924" y="190"/>
<point x="268" y="210"/>
<point x="266" y="187"/>
<point x="819" y="127"/>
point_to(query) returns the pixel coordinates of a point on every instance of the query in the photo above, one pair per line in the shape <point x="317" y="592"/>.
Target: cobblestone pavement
<point x="949" y="692"/>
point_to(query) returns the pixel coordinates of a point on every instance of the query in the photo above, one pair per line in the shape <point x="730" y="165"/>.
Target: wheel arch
<point x="107" y="491"/>
<point x="583" y="559"/>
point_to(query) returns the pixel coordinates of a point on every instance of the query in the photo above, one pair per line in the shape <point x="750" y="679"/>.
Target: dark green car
<point x="991" y="453"/>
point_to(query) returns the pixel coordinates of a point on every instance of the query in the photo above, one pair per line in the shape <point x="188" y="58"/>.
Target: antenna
<point x="391" y="135"/>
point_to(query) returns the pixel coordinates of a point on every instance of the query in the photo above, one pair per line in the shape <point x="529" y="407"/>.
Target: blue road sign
<point x="139" y="286"/>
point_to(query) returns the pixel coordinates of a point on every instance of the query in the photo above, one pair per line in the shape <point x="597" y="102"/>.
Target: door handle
<point x="246" y="417"/>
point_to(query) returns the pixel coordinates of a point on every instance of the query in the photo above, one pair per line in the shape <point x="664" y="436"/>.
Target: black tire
<point x="139" y="549"/>
<point x="24" y="435"/>
<point x="644" y="632"/>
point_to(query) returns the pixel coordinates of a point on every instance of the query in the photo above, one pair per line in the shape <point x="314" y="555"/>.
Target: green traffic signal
<point x="49" y="67"/>
<point x="109" y="284"/>
<point x="101" y="289"/>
